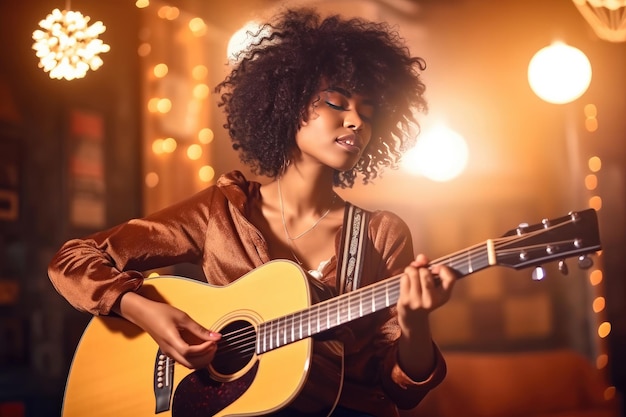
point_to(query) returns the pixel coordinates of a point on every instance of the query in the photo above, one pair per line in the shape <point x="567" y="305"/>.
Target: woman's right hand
<point x="178" y="335"/>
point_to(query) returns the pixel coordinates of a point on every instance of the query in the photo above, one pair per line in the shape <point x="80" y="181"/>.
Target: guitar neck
<point x="522" y="247"/>
<point x="350" y="306"/>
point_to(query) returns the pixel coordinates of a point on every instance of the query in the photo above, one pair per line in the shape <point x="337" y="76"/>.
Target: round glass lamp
<point x="559" y="73"/>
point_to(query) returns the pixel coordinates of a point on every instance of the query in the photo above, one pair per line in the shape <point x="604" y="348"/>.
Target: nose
<point x="353" y="121"/>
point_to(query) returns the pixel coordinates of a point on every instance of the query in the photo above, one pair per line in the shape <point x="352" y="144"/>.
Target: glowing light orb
<point x="440" y="154"/>
<point x="559" y="73"/>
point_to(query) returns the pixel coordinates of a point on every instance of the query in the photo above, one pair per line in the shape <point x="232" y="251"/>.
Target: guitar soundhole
<point x="236" y="348"/>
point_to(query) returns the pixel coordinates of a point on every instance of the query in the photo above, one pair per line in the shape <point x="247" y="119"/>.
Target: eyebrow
<point x="348" y="94"/>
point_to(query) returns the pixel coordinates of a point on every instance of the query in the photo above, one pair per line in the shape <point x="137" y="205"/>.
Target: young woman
<point x="314" y="104"/>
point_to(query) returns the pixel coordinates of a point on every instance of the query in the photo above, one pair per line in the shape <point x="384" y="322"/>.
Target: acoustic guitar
<point x="264" y="357"/>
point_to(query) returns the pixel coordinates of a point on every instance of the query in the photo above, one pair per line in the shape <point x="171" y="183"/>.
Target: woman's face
<point x="338" y="129"/>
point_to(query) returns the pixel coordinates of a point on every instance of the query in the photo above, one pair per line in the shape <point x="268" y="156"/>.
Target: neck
<point x="306" y="192"/>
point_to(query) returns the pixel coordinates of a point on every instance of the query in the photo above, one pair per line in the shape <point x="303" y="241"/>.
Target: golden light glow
<point x="440" y="154"/>
<point x="559" y="73"/>
<point x="604" y="329"/>
<point x="194" y="152"/>
<point x="144" y="49"/>
<point x="590" y="110"/>
<point x="591" y="124"/>
<point x="598" y="304"/>
<point x="609" y="392"/>
<point x="169" y="145"/>
<point x="142" y="4"/>
<point x="160" y="70"/>
<point x="199" y="72"/>
<point x="161" y="146"/>
<point x="602" y="360"/>
<point x="157" y="146"/>
<point x="591" y="182"/>
<point x="201" y="91"/>
<point x="206" y="173"/>
<point x="197" y="26"/>
<point x="153" y="105"/>
<point x="205" y="136"/>
<point x="595" y="202"/>
<point x="68" y="46"/>
<point x="152" y="179"/>
<point x="164" y="105"/>
<point x="595" y="278"/>
<point x="168" y="12"/>
<point x="594" y="164"/>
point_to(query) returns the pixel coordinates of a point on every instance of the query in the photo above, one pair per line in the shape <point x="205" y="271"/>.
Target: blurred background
<point x="144" y="130"/>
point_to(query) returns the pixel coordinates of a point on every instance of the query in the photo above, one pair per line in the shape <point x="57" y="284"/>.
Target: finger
<point x="193" y="332"/>
<point x="405" y="287"/>
<point x="447" y="276"/>
<point x="429" y="283"/>
<point x="194" y="356"/>
<point x="201" y="349"/>
<point x="420" y="261"/>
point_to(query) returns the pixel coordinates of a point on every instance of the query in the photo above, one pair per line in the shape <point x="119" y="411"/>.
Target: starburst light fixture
<point x="67" y="46"/>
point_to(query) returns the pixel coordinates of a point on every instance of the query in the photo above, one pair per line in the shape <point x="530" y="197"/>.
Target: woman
<point x="312" y="106"/>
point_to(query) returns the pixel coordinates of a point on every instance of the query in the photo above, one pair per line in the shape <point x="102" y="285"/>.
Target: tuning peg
<point x="539" y="273"/>
<point x="563" y="267"/>
<point x="585" y="262"/>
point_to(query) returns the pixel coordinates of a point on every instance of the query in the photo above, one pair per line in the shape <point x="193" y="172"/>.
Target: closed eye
<point x="342" y="108"/>
<point x="335" y="106"/>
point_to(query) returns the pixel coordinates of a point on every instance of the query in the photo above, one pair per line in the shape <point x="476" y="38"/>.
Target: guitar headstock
<point x="575" y="234"/>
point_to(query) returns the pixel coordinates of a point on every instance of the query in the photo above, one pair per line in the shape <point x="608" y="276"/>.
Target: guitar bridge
<point x="163" y="381"/>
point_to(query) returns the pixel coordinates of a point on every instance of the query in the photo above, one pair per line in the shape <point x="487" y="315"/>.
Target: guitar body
<point x="264" y="364"/>
<point x="117" y="370"/>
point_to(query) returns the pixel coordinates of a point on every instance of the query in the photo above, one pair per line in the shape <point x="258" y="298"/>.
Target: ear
<point x="304" y="120"/>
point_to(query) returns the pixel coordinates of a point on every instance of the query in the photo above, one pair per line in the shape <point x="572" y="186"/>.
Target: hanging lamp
<point x="67" y="46"/>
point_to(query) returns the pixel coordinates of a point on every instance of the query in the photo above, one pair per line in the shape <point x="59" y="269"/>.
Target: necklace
<point x="287" y="235"/>
<point x="282" y="215"/>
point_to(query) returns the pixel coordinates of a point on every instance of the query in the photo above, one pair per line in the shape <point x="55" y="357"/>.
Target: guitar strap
<point x="352" y="250"/>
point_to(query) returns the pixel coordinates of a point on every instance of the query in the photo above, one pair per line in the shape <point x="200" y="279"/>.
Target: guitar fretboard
<point x="347" y="307"/>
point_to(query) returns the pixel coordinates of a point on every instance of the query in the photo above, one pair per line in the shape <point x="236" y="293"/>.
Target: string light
<point x="67" y="46"/>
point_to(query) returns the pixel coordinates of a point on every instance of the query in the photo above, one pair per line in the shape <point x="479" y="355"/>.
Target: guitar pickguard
<point x="199" y="395"/>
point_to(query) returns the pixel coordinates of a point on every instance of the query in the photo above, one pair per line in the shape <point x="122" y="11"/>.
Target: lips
<point x="350" y="142"/>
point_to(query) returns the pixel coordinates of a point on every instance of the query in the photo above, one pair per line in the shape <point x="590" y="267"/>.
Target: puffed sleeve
<point x="93" y="272"/>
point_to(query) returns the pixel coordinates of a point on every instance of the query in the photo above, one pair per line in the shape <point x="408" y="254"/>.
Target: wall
<point x="523" y="168"/>
<point x="39" y="331"/>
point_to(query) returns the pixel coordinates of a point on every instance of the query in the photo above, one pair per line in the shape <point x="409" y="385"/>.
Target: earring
<point x="286" y="163"/>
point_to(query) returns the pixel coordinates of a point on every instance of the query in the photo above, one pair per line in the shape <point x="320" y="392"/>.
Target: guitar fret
<point x="360" y="304"/>
<point x="327" y="317"/>
<point x="385" y="297"/>
<point x="505" y="251"/>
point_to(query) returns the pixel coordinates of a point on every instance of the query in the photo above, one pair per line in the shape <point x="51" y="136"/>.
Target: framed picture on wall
<point x="9" y="178"/>
<point x="86" y="170"/>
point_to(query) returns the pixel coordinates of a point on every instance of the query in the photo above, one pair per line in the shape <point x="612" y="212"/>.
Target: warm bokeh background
<point x="528" y="161"/>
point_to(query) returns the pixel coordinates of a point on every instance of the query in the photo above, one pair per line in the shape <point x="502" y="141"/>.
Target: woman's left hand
<point x="422" y="290"/>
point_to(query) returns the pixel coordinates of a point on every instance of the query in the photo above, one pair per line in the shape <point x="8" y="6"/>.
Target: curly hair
<point x="267" y="93"/>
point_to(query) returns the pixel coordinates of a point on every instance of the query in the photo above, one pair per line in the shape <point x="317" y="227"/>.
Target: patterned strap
<point x="354" y="239"/>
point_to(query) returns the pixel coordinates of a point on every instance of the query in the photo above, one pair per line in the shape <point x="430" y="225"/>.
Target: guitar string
<point x="321" y="315"/>
<point x="323" y="319"/>
<point x="250" y="335"/>
<point x="498" y="243"/>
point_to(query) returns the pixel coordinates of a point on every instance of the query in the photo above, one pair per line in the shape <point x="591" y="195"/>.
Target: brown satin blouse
<point x="211" y="229"/>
